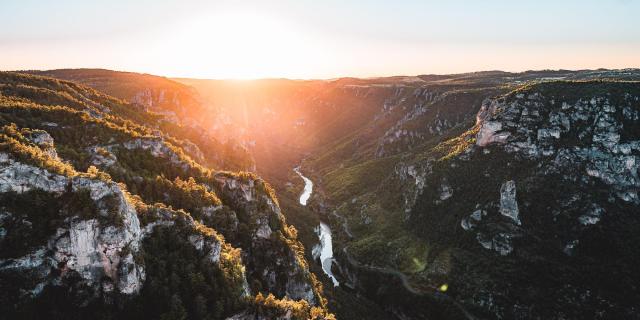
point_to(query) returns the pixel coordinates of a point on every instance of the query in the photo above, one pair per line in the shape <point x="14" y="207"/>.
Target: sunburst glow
<point x="238" y="45"/>
<point x="316" y="39"/>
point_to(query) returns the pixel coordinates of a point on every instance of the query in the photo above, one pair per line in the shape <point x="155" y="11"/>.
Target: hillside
<point x="149" y="91"/>
<point x="478" y="195"/>
<point x="516" y="202"/>
<point x="388" y="155"/>
<point x="177" y="108"/>
<point x="106" y="212"/>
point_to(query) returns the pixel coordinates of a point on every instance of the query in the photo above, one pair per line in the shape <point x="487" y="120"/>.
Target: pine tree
<point x="176" y="310"/>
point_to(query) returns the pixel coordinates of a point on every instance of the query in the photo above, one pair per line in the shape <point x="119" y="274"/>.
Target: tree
<point x="200" y="307"/>
<point x="176" y="310"/>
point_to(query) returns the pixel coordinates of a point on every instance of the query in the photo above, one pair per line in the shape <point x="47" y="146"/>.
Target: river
<point x="308" y="187"/>
<point x="325" y="248"/>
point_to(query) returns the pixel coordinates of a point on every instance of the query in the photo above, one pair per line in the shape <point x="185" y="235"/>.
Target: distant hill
<point x="177" y="105"/>
<point x="153" y="92"/>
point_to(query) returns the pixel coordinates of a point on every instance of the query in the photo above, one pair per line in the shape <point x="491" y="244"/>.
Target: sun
<point x="237" y="45"/>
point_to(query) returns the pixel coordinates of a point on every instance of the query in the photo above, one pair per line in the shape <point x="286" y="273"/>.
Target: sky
<point x="305" y="39"/>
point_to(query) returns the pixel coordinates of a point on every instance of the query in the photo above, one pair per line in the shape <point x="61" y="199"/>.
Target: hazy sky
<point x="318" y="39"/>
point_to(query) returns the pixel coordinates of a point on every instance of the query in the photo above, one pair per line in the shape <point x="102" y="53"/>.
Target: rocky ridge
<point x="102" y="239"/>
<point x="578" y="137"/>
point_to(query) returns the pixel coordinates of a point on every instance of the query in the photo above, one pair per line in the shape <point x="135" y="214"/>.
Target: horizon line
<point x="327" y="79"/>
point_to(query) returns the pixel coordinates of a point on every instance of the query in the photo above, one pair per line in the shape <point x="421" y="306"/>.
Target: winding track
<point x="406" y="283"/>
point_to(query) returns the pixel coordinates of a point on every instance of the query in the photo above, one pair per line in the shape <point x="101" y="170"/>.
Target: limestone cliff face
<point x="411" y="180"/>
<point x="593" y="131"/>
<point x="424" y="113"/>
<point x="96" y="253"/>
<point x="553" y="173"/>
<point x="159" y="148"/>
<point x="587" y="140"/>
<point x="44" y="140"/>
<point x="273" y="264"/>
<point x="99" y="252"/>
<point x="508" y="201"/>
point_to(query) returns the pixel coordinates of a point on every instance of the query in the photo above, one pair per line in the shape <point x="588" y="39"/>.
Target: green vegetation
<point x="572" y="91"/>
<point x="14" y="143"/>
<point x="271" y="307"/>
<point x="51" y="100"/>
<point x="34" y="216"/>
<point x="356" y="172"/>
<point x="187" y="283"/>
<point x="343" y="184"/>
<point x="126" y="85"/>
<point x="454" y="147"/>
<point x="85" y="123"/>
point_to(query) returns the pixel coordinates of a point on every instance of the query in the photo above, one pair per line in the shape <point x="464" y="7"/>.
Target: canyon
<point x="487" y="195"/>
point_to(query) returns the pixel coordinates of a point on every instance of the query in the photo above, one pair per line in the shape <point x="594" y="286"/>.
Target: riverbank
<point x="324" y="249"/>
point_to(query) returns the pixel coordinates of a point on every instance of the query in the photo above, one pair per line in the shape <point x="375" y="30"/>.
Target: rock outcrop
<point x="277" y="267"/>
<point x="508" y="201"/>
<point x="573" y="149"/>
<point x="144" y="223"/>
<point x="99" y="252"/>
<point x="412" y="179"/>
<point x="587" y="131"/>
<point x="102" y="156"/>
<point x="158" y="148"/>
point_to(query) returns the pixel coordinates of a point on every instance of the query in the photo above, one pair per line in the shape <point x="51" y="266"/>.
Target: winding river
<point x="325" y="251"/>
<point x="325" y="248"/>
<point x="308" y="187"/>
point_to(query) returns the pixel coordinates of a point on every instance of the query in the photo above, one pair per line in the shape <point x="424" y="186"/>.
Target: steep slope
<point x="490" y="194"/>
<point x="370" y="145"/>
<point x="135" y="236"/>
<point x="176" y="109"/>
<point x="542" y="205"/>
<point x="151" y="92"/>
<point x="512" y="212"/>
<point x="282" y="120"/>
